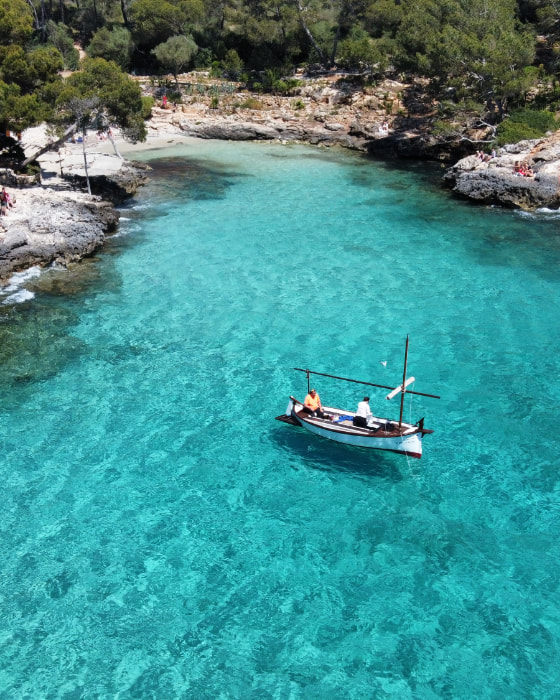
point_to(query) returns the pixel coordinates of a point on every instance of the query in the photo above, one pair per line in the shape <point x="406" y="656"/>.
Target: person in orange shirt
<point x="312" y="404"/>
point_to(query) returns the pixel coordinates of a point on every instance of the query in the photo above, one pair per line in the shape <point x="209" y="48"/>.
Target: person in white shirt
<point x="363" y="414"/>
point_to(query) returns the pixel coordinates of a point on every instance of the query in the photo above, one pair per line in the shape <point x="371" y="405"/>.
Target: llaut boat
<point x="380" y="434"/>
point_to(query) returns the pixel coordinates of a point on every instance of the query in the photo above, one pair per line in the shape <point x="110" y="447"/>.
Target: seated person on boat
<point x="363" y="414"/>
<point x="312" y="404"/>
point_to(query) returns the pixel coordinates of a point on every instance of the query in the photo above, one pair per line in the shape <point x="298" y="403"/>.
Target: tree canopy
<point x="113" y="95"/>
<point x="176" y="53"/>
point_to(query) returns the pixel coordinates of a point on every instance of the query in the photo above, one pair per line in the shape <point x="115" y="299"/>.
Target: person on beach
<point x="3" y="202"/>
<point x="363" y="414"/>
<point x="312" y="404"/>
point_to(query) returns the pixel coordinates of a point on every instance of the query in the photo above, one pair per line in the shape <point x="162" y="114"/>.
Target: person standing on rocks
<point x="3" y="202"/>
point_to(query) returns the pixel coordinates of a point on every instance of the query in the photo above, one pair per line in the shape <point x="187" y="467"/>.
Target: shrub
<point x="204" y="59"/>
<point x="232" y="65"/>
<point x="251" y="103"/>
<point x="525" y="124"/>
<point x="147" y="104"/>
<point x="216" y="69"/>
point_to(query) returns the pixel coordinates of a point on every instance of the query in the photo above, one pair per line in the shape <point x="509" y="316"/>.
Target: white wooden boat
<point x="380" y="434"/>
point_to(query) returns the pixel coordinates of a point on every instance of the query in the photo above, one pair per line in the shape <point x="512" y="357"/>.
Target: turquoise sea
<point x="164" y="537"/>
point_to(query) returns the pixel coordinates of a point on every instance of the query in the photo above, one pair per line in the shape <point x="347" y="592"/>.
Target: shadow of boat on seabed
<point x="330" y="456"/>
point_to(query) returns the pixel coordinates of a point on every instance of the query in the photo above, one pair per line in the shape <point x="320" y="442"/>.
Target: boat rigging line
<point x="357" y="381"/>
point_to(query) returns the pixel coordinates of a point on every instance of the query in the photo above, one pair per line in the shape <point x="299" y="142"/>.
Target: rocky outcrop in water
<point x="62" y="224"/>
<point x="496" y="182"/>
<point x="116" y="186"/>
<point x="47" y="226"/>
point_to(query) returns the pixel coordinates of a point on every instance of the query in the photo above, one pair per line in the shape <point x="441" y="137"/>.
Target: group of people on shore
<point x="520" y="169"/>
<point x="312" y="406"/>
<point x="523" y="169"/>
<point x="486" y="157"/>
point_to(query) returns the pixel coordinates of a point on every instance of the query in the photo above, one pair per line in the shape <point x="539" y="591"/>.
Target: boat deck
<point x="342" y="421"/>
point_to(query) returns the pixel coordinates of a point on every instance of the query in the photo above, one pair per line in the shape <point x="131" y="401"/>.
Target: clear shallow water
<point x="163" y="536"/>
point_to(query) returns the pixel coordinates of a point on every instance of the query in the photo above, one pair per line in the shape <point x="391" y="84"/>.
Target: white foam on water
<point x="540" y="213"/>
<point x="554" y="213"/>
<point x="18" y="279"/>
<point x="140" y="206"/>
<point x="13" y="289"/>
<point x="19" y="297"/>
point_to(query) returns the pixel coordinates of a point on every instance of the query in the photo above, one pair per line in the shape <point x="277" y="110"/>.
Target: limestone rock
<point x="48" y="226"/>
<point x="495" y="182"/>
<point x="115" y="186"/>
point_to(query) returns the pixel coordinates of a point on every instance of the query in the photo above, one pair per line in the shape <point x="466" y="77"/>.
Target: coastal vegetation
<point x="483" y="62"/>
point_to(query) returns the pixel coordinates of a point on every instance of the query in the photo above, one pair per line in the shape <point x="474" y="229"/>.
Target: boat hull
<point x="410" y="445"/>
<point x="338" y="427"/>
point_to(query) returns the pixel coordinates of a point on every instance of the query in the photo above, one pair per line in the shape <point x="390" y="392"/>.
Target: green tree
<point x="477" y="45"/>
<point x="358" y="50"/>
<point x="99" y="96"/>
<point x="383" y="17"/>
<point x="87" y="112"/>
<point x="154" y="21"/>
<point x="16" y="22"/>
<point x="29" y="70"/>
<point x="59" y="36"/>
<point x="120" y="97"/>
<point x="19" y="112"/>
<point x="176" y="54"/>
<point x="113" y="45"/>
<point x="267" y="34"/>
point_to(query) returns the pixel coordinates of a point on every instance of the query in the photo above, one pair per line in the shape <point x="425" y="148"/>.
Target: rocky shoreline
<point x="496" y="182"/>
<point x="333" y="112"/>
<point x="47" y="227"/>
<point x="57" y="222"/>
<point x="487" y="182"/>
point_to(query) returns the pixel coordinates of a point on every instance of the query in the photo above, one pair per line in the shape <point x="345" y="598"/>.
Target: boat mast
<point x="403" y="392"/>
